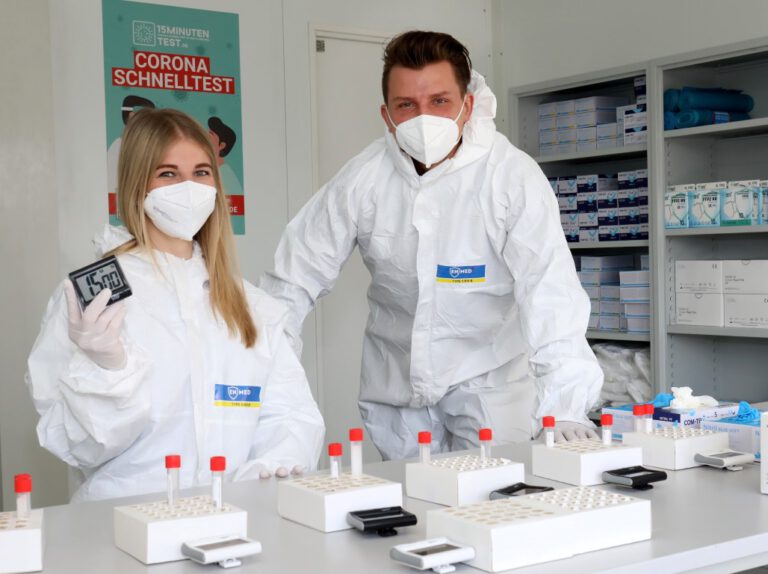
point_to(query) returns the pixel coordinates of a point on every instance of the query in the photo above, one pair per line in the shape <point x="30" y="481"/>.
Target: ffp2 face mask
<point x="180" y="210"/>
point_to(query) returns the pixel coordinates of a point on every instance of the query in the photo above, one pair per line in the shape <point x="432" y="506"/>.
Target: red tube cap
<point x="638" y="410"/>
<point x="606" y="420"/>
<point x="356" y="435"/>
<point x="173" y="461"/>
<point x="22" y="483"/>
<point x="485" y="434"/>
<point x="649" y="408"/>
<point x="218" y="463"/>
<point x="425" y="437"/>
<point x="335" y="449"/>
<point x="548" y="422"/>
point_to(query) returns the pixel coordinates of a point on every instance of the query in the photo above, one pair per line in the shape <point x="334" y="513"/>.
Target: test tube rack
<point x="153" y="532"/>
<point x="21" y="542"/>
<point x="322" y="502"/>
<point x="458" y="480"/>
<point x="525" y="530"/>
<point x="582" y="462"/>
<point x="673" y="448"/>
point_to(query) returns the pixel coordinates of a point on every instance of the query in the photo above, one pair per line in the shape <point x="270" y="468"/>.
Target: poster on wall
<point x="169" y="57"/>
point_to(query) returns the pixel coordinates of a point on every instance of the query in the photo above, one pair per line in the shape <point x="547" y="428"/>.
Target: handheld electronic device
<point x="381" y="520"/>
<point x="439" y="554"/>
<point x="637" y="477"/>
<point x="91" y="279"/>
<point x="517" y="489"/>
<point x="226" y="550"/>
<point x="731" y="459"/>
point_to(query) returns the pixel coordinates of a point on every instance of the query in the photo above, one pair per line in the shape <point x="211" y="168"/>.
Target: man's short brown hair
<point x="416" y="49"/>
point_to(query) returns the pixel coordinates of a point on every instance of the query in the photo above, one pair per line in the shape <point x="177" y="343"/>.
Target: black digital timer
<point x="103" y="274"/>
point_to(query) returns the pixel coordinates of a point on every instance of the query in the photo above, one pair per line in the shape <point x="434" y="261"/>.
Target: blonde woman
<point x="194" y="363"/>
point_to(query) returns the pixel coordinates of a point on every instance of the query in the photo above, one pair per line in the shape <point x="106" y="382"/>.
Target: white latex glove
<point x="567" y="430"/>
<point x="282" y="472"/>
<point x="97" y="329"/>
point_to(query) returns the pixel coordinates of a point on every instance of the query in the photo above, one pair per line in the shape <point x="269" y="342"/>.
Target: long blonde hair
<point x="147" y="136"/>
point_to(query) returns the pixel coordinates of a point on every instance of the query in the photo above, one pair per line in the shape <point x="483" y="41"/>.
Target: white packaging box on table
<point x="21" y="542"/>
<point x="743" y="436"/>
<point x="673" y="448"/>
<point x="581" y="462"/>
<point x="745" y="277"/>
<point x="458" y="480"/>
<point x="623" y="419"/>
<point x="692" y="417"/>
<point x="525" y="530"/>
<point x="323" y="502"/>
<point x="153" y="532"/>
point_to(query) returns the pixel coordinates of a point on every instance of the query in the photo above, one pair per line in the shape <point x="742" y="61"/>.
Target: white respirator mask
<point x="428" y="139"/>
<point x="181" y="209"/>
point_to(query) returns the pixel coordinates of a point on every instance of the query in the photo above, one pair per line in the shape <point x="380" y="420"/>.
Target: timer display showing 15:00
<point x="90" y="280"/>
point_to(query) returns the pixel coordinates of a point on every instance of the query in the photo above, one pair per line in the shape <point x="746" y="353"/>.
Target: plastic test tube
<point x="549" y="430"/>
<point x="172" y="465"/>
<point x="425" y="447"/>
<point x="606" y="424"/>
<point x="648" y="419"/>
<point x="334" y="452"/>
<point x="23" y="486"/>
<point x="218" y="466"/>
<point x="485" y="436"/>
<point x="356" y="450"/>
<point x="638" y="412"/>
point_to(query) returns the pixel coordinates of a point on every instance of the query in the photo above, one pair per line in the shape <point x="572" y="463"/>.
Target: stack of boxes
<point x="595" y="122"/>
<point x="731" y="293"/>
<point x="601" y="277"/>
<point x="716" y="204"/>
<point x="633" y="205"/>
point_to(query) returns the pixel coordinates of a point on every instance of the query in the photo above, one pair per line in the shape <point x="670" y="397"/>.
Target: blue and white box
<point x="608" y="216"/>
<point x="567" y="185"/>
<point x="589" y="235"/>
<point x="608" y="199"/>
<point x="587" y="219"/>
<point x="704" y="204"/>
<point x="571" y="233"/>
<point x="743" y="435"/>
<point x="676" y="212"/>
<point x="737" y="202"/>
<point x="606" y="262"/>
<point x="609" y="233"/>
<point x="692" y="418"/>
<point x="569" y="218"/>
<point x="568" y="203"/>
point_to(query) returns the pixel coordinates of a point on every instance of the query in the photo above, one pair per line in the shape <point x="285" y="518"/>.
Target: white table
<point x="704" y="520"/>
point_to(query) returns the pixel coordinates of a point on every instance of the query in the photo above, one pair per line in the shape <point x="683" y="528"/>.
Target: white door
<point x="347" y="101"/>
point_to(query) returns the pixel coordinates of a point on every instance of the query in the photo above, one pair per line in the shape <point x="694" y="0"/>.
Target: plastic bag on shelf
<point x="627" y="373"/>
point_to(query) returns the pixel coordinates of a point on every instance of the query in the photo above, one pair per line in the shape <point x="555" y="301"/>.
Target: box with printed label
<point x="605" y="262"/>
<point x="737" y="202"/>
<point x="609" y="233"/>
<point x="607" y="130"/>
<point x="607" y="276"/>
<point x="585" y="135"/>
<point x="641" y="178"/>
<point x="553" y="184"/>
<point x="594" y="321"/>
<point x="634" y="294"/>
<point x="608" y="199"/>
<point x="609" y="323"/>
<point x="743" y="435"/>
<point x="637" y="309"/>
<point x="608" y="216"/>
<point x="609" y="292"/>
<point x="566" y="135"/>
<point x="566" y="107"/>
<point x="621" y="110"/>
<point x="699" y="276"/>
<point x="699" y="309"/>
<point x="633" y="232"/>
<point x="676" y="211"/>
<point x="746" y="310"/>
<point x="634" y="278"/>
<point x="569" y="218"/>
<point x="635" y="120"/>
<point x="627" y="179"/>
<point x="589" y="235"/>
<point x="610" y="142"/>
<point x="692" y="418"/>
<point x="633" y="197"/>
<point x="568" y="202"/>
<point x="563" y="148"/>
<point x="745" y="276"/>
<point x="623" y="419"/>
<point x="596" y="182"/>
<point x="639" y="136"/>
<point x="587" y="145"/>
<point x="547" y="137"/>
<point x="593" y="103"/>
<point x="587" y="219"/>
<point x="639" y="83"/>
<point x="571" y="233"/>
<point x="704" y="206"/>
<point x="566" y="121"/>
<point x="593" y="118"/>
<point x="592" y="291"/>
<point x="547" y="149"/>
<point x="611" y="308"/>
<point x="594" y="306"/>
<point x="547" y="123"/>
<point x="566" y="184"/>
<point x="762" y="209"/>
<point x="638" y="324"/>
<point x="548" y="109"/>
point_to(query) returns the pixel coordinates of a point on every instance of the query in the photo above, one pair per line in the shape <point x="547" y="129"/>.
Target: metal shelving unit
<point x="727" y="363"/>
<point x="524" y="116"/>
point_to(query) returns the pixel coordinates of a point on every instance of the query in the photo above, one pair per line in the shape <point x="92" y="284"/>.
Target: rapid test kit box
<point x="623" y="420"/>
<point x="676" y="213"/>
<point x="692" y="418"/>
<point x="743" y="436"/>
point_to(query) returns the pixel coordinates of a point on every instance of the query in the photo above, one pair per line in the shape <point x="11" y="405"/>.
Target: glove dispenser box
<point x="154" y="532"/>
<point x="459" y="480"/>
<point x="322" y="501"/>
<point x="21" y="542"/>
<point x="673" y="448"/>
<point x="525" y="530"/>
<point x="582" y="462"/>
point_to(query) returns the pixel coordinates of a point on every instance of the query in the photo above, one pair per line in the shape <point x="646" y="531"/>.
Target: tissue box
<point x="21" y="542"/>
<point x="674" y="448"/>
<point x="581" y="462"/>
<point x="323" y="502"/>
<point x="743" y="436"/>
<point x="536" y="528"/>
<point x="154" y="532"/>
<point x="692" y="418"/>
<point x="459" y="480"/>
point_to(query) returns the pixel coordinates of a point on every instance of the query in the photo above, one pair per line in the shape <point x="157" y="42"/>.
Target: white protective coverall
<point x="477" y="317"/>
<point x="188" y="387"/>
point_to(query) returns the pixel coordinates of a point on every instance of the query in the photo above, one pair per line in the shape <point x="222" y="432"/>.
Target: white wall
<point x="548" y="39"/>
<point x="53" y="203"/>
